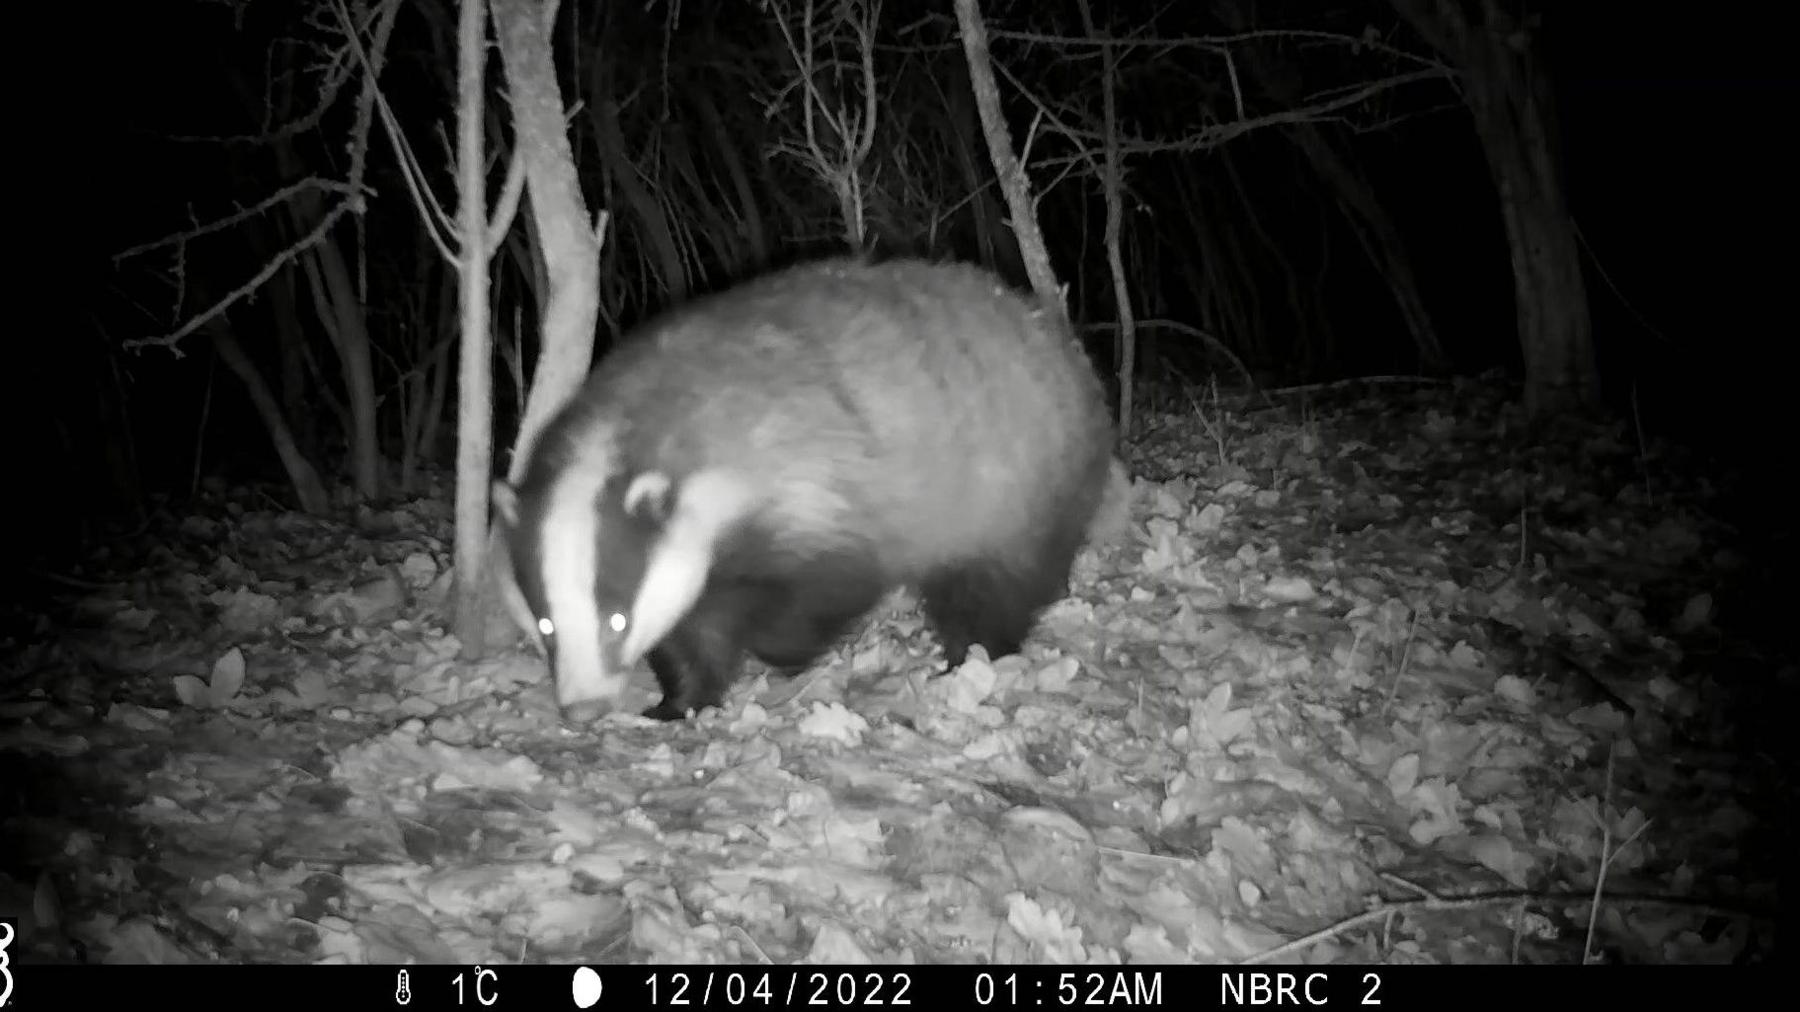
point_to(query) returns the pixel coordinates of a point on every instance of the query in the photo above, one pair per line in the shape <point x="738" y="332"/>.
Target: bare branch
<point x="1366" y="41"/>
<point x="219" y="225"/>
<point x="853" y="125"/>
<point x="243" y="291"/>
<point x="512" y="191"/>
<point x="1213" y="136"/>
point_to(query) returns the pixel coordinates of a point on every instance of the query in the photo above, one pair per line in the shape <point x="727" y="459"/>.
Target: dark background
<point x="1677" y="125"/>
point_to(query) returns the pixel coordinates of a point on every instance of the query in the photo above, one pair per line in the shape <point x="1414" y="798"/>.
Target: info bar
<point x="493" y="987"/>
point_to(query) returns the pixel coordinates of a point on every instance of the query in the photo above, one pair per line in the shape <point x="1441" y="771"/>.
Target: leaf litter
<point x="1378" y="680"/>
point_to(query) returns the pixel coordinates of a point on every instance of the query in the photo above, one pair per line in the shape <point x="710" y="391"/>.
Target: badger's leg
<point x="995" y="601"/>
<point x="788" y="615"/>
<point x="977" y="602"/>
<point x="697" y="662"/>
<point x="689" y="681"/>
<point x="815" y="606"/>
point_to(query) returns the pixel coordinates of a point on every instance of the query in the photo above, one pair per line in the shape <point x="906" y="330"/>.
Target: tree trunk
<point x="474" y="377"/>
<point x="340" y="309"/>
<point x="1508" y="93"/>
<point x="1115" y="213"/>
<point x="301" y="474"/>
<point x="1013" y="181"/>
<point x="290" y="341"/>
<point x="1379" y="237"/>
<point x="435" y="401"/>
<point x="571" y="246"/>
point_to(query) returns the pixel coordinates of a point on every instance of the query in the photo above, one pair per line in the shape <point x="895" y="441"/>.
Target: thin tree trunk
<point x="1115" y="260"/>
<point x="290" y="341"/>
<point x="475" y="394"/>
<point x="1373" y="227"/>
<point x="340" y="309"/>
<point x="1508" y="93"/>
<point x="438" y="397"/>
<point x="1013" y="181"/>
<point x="301" y="474"/>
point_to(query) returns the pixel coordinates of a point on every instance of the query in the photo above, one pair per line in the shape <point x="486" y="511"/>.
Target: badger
<point x="752" y="472"/>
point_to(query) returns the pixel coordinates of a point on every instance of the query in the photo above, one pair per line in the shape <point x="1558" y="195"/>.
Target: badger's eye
<point x="546" y="627"/>
<point x="617" y="622"/>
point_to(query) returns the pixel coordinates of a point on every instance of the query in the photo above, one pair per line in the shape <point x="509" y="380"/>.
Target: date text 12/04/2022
<point x="905" y="987"/>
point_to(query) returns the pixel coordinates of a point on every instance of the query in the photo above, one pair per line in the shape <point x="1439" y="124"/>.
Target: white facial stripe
<point x="569" y="554"/>
<point x="675" y="573"/>
<point x="673" y="577"/>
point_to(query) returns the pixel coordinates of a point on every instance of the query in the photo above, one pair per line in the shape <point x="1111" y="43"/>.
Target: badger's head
<point x="607" y="563"/>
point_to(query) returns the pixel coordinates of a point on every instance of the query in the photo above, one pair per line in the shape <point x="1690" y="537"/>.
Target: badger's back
<point x="924" y="410"/>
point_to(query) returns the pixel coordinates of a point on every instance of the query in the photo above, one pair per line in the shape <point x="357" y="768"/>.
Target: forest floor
<point x="1373" y="677"/>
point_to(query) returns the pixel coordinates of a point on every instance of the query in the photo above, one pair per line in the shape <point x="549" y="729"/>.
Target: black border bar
<point x="494" y="987"/>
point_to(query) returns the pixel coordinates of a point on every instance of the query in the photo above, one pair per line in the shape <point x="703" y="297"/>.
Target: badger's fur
<point x="752" y="472"/>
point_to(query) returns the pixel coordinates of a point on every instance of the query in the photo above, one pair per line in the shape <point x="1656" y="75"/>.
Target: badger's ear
<point x="650" y="496"/>
<point x="506" y="503"/>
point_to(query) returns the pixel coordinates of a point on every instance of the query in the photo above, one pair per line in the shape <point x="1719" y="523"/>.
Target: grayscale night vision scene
<point x="1062" y="493"/>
